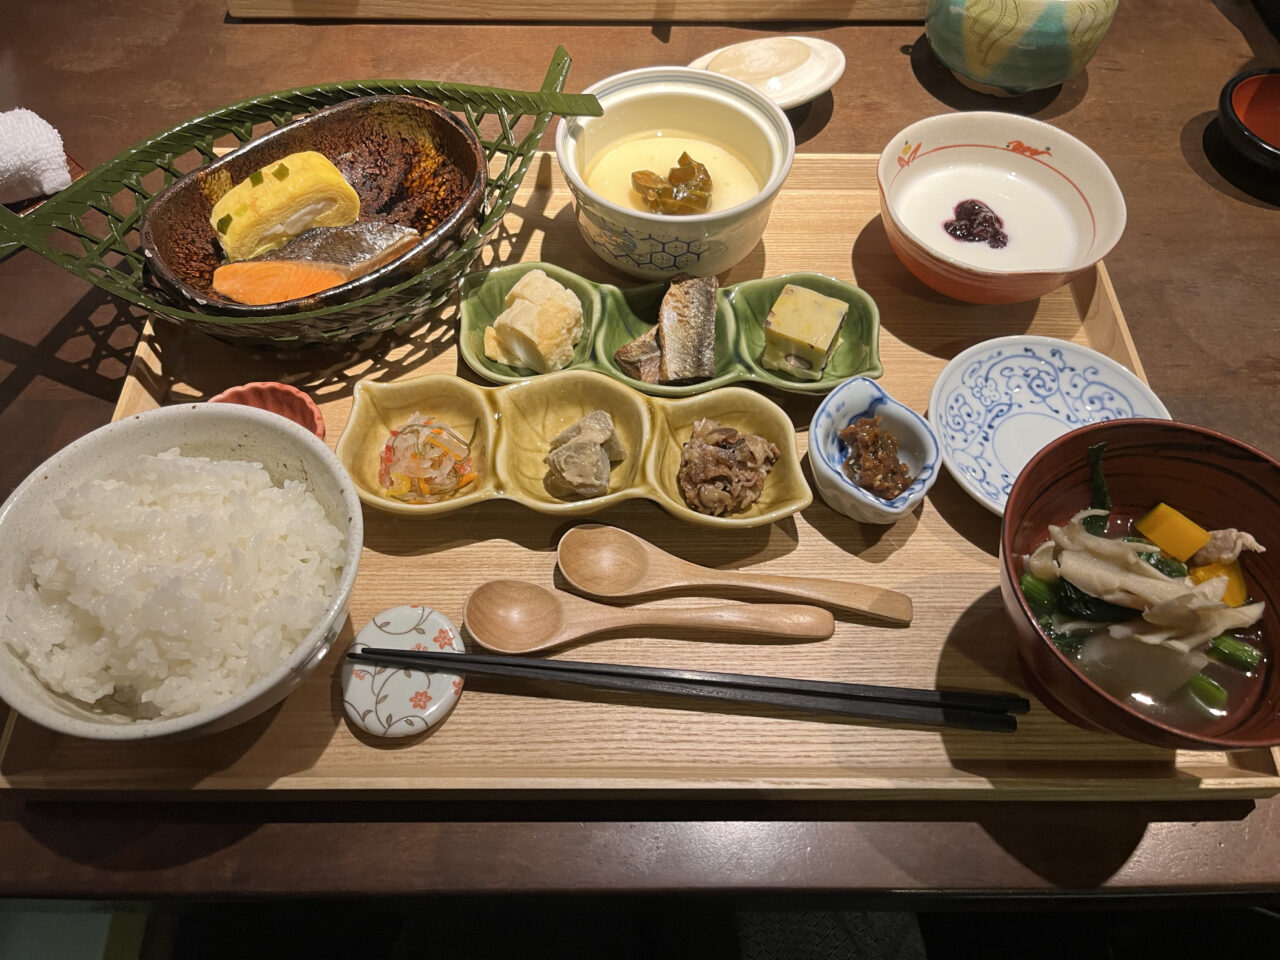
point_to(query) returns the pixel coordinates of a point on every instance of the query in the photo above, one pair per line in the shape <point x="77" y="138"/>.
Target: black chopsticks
<point x="938" y="708"/>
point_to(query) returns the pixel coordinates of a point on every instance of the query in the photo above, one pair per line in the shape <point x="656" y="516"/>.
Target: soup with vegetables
<point x="1152" y="608"/>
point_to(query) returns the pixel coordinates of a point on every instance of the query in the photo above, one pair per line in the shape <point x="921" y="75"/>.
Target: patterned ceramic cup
<point x="680" y="101"/>
<point x="1011" y="47"/>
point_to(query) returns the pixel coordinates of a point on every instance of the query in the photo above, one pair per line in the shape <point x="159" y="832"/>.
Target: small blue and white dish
<point x="852" y="400"/>
<point x="1001" y="401"/>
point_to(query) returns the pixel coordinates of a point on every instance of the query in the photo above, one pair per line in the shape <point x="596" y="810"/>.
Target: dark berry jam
<point x="975" y="222"/>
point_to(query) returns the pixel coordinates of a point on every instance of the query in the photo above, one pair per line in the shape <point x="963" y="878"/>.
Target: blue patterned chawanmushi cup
<point x="676" y="101"/>
<point x="917" y="448"/>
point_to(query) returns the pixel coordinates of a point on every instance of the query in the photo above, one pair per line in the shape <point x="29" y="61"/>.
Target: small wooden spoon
<point x="510" y="616"/>
<point x="608" y="562"/>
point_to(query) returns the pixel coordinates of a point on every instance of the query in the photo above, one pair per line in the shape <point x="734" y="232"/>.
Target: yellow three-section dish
<point x="513" y="426"/>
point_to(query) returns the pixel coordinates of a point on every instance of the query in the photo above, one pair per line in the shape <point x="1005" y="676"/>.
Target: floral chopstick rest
<point x="395" y="702"/>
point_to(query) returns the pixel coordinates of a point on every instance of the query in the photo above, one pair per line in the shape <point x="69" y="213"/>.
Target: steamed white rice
<point x="175" y="586"/>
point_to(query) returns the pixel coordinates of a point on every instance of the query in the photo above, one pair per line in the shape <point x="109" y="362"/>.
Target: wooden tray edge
<point x="911" y="11"/>
<point x="1107" y="331"/>
<point x="1122" y="791"/>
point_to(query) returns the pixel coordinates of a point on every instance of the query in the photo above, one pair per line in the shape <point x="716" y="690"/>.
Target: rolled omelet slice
<point x="283" y="199"/>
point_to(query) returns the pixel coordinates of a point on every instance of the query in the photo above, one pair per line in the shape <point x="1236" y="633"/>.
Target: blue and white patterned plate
<point x="998" y="403"/>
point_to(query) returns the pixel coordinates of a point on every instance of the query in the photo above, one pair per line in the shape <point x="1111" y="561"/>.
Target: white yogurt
<point x="1042" y="232"/>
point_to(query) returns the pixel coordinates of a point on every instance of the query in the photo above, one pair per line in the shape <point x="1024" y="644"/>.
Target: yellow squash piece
<point x="1236" y="593"/>
<point x="283" y="199"/>
<point x="1172" y="532"/>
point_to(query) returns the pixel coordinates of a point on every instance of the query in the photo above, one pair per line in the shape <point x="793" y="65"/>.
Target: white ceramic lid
<point x="788" y="70"/>
<point x="393" y="702"/>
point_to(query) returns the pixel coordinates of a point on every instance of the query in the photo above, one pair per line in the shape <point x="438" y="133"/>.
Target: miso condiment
<point x="873" y="462"/>
<point x="685" y="189"/>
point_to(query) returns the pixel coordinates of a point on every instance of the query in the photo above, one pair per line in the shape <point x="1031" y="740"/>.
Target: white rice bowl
<point x="190" y="592"/>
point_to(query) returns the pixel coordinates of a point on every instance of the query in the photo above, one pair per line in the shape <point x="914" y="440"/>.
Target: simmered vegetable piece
<point x="1234" y="652"/>
<point x="1161" y="560"/>
<point x="1236" y="593"/>
<point x="1208" y="691"/>
<point x="1040" y="595"/>
<point x="1172" y="532"/>
<point x="1076" y="602"/>
<point x="685" y="189"/>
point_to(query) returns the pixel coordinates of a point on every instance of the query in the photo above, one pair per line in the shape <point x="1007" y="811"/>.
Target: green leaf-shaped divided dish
<point x="510" y="429"/>
<point x="613" y="317"/>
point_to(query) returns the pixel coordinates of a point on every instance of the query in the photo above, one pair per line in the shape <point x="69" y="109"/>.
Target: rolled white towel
<point x="32" y="160"/>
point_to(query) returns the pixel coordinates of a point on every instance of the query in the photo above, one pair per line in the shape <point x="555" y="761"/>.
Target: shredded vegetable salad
<point x="425" y="461"/>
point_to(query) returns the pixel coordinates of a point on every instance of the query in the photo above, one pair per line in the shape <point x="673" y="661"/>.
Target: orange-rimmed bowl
<point x="289" y="402"/>
<point x="1249" y="113"/>
<point x="1059" y="206"/>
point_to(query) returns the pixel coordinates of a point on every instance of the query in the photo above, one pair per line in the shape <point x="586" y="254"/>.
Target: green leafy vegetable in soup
<point x="1101" y="499"/>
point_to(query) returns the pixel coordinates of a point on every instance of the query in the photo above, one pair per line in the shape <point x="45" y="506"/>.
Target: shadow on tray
<point x="869" y="542"/>
<point x="507" y="520"/>
<point x="1071" y="844"/>
<point x="809" y="119"/>
<point x="976" y="524"/>
<point x="89" y="349"/>
<point x="941" y="84"/>
<point x="148" y="829"/>
<point x="921" y="317"/>
<point x="194" y="367"/>
<point x="1205" y="148"/>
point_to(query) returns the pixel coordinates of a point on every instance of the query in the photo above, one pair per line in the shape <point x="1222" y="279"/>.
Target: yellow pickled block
<point x="1172" y="532"/>
<point x="801" y="332"/>
<point x="1236" y="593"/>
<point x="283" y="199"/>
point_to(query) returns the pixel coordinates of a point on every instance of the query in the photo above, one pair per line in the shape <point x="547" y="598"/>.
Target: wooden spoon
<point x="511" y="616"/>
<point x="608" y="562"/>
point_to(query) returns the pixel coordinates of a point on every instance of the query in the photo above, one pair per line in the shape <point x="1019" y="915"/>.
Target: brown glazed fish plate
<point x="411" y="162"/>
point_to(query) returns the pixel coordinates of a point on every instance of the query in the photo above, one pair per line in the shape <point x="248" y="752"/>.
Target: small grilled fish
<point x="641" y="359"/>
<point x="320" y="258"/>
<point x="687" y="329"/>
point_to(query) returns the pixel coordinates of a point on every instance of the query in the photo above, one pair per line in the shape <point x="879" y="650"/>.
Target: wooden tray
<point x="944" y="556"/>
<point x="633" y="10"/>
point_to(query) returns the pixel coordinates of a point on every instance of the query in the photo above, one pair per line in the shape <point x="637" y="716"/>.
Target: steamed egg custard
<point x="609" y="176"/>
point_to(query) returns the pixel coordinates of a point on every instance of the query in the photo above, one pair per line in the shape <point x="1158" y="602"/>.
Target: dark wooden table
<point x="1195" y="273"/>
